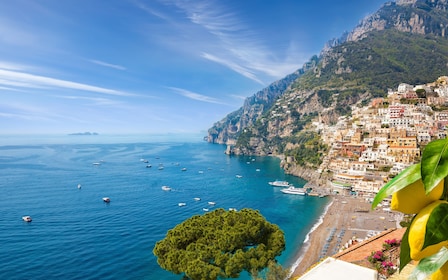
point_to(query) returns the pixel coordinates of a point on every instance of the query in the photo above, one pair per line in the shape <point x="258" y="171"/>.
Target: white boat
<point x="205" y="209"/>
<point x="166" y="188"/>
<point x="181" y="204"/>
<point x="184" y="169"/>
<point x="278" y="183"/>
<point x="239" y="176"/>
<point x="197" y="198"/>
<point x="293" y="190"/>
<point x="232" y="209"/>
<point x="27" y="218"/>
<point x="79" y="186"/>
<point x="106" y="199"/>
<point x="211" y="203"/>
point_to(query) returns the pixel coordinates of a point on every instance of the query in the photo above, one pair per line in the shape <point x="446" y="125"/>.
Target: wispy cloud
<point x="195" y="96"/>
<point x="22" y="79"/>
<point x="237" y="46"/>
<point x="234" y="66"/>
<point x="102" y="63"/>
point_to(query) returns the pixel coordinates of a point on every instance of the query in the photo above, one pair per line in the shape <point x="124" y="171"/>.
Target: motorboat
<point x="106" y="199"/>
<point x="232" y="209"/>
<point x="181" y="204"/>
<point x="293" y="190"/>
<point x="166" y="188"/>
<point x="27" y="218"/>
<point x="184" y="169"/>
<point x="79" y="186"/>
<point x="197" y="198"/>
<point x="205" y="209"/>
<point x="211" y="203"/>
<point x="148" y="166"/>
<point x="239" y="176"/>
<point x="278" y="183"/>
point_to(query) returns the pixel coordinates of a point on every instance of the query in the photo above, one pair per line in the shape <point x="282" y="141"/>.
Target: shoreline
<point x="307" y="242"/>
<point x="344" y="220"/>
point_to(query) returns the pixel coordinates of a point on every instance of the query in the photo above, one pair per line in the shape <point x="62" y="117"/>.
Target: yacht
<point x="166" y="188"/>
<point x="293" y="190"/>
<point x="278" y="183"/>
<point x="27" y="218"/>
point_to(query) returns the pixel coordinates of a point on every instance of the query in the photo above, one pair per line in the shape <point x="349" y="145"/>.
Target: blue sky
<point x="154" y="66"/>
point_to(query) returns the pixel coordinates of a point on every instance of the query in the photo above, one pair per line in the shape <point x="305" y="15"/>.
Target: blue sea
<point x="75" y="235"/>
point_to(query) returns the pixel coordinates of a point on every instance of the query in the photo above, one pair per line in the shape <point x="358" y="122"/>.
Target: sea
<point x="61" y="180"/>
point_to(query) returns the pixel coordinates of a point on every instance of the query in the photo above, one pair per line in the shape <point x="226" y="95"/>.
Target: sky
<point x="153" y="66"/>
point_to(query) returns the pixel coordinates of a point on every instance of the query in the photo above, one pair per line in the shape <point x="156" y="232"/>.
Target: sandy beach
<point x="346" y="218"/>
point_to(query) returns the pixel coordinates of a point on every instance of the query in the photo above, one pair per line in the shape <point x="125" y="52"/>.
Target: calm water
<point x="75" y="235"/>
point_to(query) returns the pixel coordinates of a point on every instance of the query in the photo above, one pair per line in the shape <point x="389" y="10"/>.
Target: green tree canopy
<point x="220" y="244"/>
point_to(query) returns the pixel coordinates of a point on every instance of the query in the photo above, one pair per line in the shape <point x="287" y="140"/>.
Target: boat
<point x="166" y="188"/>
<point x="239" y="176"/>
<point x="184" y="169"/>
<point x="27" y="218"/>
<point x="181" y="204"/>
<point x="106" y="199"/>
<point x="205" y="209"/>
<point x="232" y="209"/>
<point x="96" y="163"/>
<point x="293" y="190"/>
<point x="148" y="166"/>
<point x="160" y="167"/>
<point x="79" y="186"/>
<point x="197" y="198"/>
<point x="211" y="203"/>
<point x="278" y="183"/>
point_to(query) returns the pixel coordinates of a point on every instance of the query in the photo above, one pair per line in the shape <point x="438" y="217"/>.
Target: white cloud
<point x="195" y="96"/>
<point x="114" y="66"/>
<point x="22" y="79"/>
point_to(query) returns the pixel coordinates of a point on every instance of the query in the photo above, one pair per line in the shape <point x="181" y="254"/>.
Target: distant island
<point x="84" y="133"/>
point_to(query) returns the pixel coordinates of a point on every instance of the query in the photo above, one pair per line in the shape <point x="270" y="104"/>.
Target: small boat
<point x="293" y="190"/>
<point x="278" y="183"/>
<point x="96" y="163"/>
<point x="200" y="172"/>
<point x="148" y="166"/>
<point x="232" y="209"/>
<point x="160" y="167"/>
<point x="27" y="219"/>
<point x="197" y="198"/>
<point x="166" y="188"/>
<point x="258" y="169"/>
<point x="184" y="169"/>
<point x="181" y="204"/>
<point x="79" y="186"/>
<point x="211" y="203"/>
<point x="239" y="176"/>
<point x="205" y="209"/>
<point x="106" y="199"/>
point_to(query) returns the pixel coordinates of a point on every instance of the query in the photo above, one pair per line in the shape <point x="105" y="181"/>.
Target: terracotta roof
<point x="359" y="252"/>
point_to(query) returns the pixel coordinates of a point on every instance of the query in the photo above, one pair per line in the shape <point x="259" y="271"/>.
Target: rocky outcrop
<point x="414" y="16"/>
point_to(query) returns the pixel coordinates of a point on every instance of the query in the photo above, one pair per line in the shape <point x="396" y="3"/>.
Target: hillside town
<point x="380" y="140"/>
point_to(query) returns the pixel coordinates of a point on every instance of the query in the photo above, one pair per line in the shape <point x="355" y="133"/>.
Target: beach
<point x="346" y="220"/>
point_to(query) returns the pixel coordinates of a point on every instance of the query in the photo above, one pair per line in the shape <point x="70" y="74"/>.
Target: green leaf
<point x="405" y="250"/>
<point x="437" y="226"/>
<point x="434" y="163"/>
<point x="405" y="178"/>
<point x="429" y="265"/>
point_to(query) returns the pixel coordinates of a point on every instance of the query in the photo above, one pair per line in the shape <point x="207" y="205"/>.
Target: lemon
<point x="441" y="274"/>
<point x="411" y="199"/>
<point x="417" y="232"/>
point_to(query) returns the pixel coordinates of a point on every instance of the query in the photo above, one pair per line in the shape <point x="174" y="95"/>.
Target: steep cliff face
<point x="228" y="129"/>
<point x="414" y="16"/>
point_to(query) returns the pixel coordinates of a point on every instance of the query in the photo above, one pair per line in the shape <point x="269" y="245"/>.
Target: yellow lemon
<point x="417" y="232"/>
<point x="441" y="274"/>
<point x="411" y="199"/>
